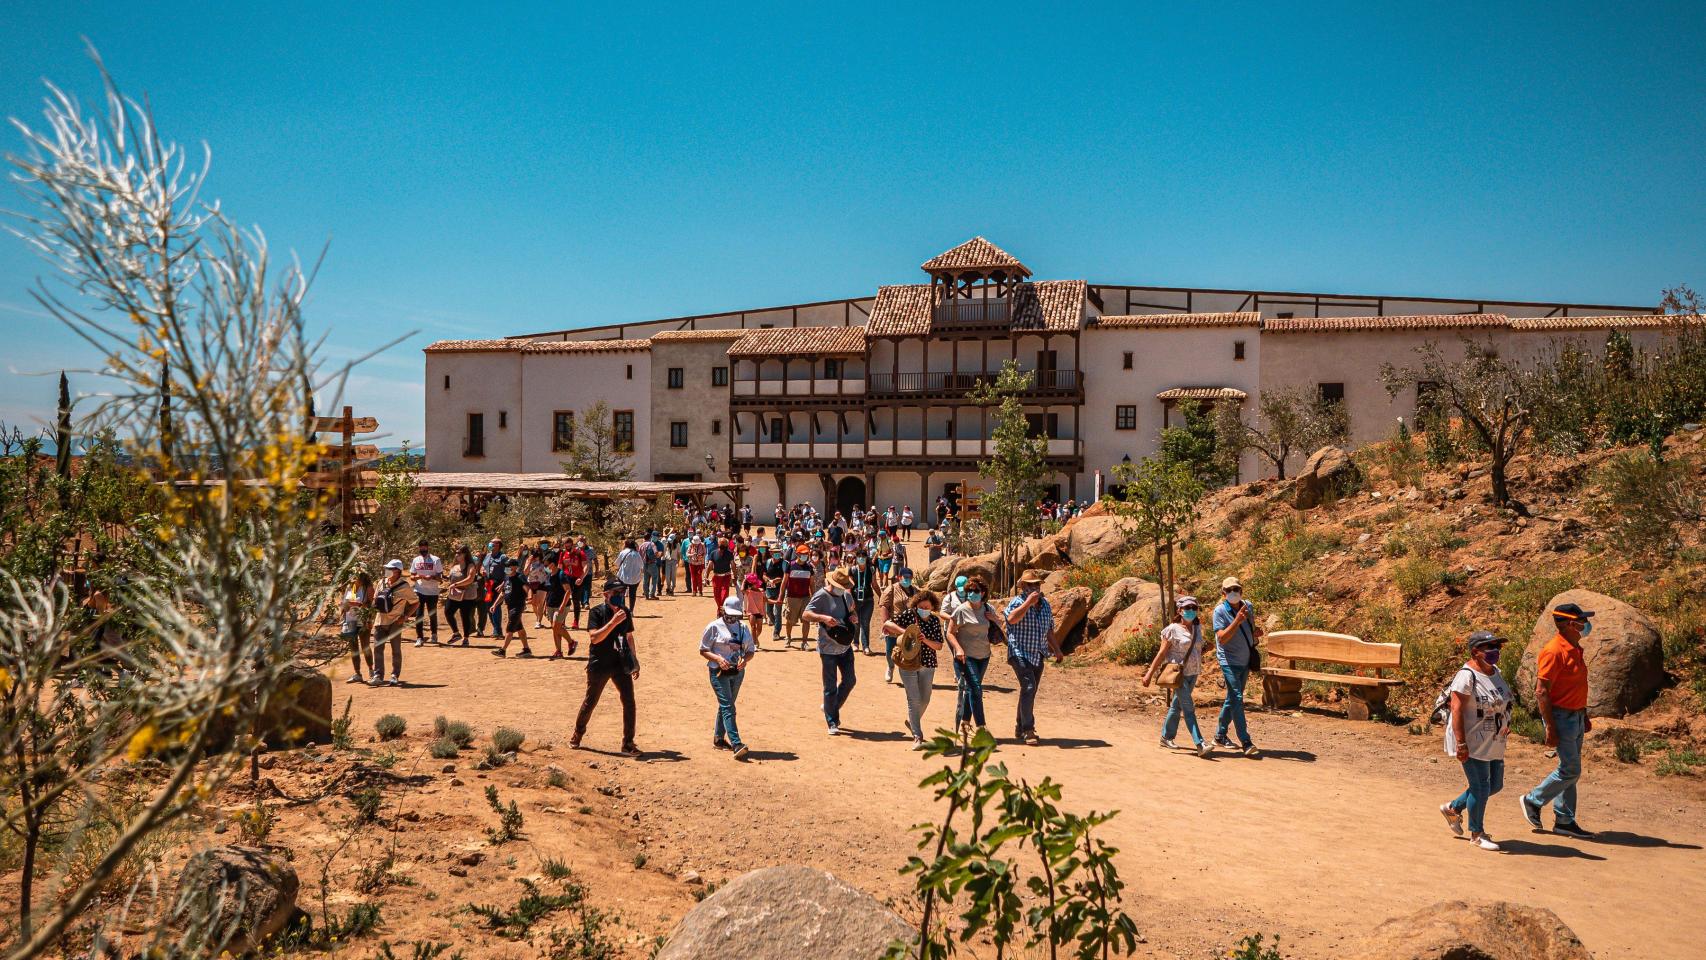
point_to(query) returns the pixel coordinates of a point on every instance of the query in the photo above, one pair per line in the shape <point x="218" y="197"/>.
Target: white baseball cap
<point x="732" y="607"/>
<point x="393" y="564"/>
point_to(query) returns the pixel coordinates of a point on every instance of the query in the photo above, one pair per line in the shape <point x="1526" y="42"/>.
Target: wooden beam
<point x="336" y="424"/>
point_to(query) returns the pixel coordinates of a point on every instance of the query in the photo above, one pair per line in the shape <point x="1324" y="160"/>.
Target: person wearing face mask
<point x="426" y="574"/>
<point x="1477" y="724"/>
<point x="864" y="598"/>
<point x="1561" y="693"/>
<point x="896" y="598"/>
<point x="728" y="646"/>
<point x="955" y="597"/>
<point x="613" y="657"/>
<point x="1235" y="634"/>
<point x="919" y="613"/>
<point x="968" y="637"/>
<point x="395" y="604"/>
<point x="491" y="583"/>
<point x="1181" y="648"/>
<point x="1030" y="639"/>
<point x="833" y="611"/>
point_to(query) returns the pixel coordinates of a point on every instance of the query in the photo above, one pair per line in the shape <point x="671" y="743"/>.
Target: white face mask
<point x="1235" y="597"/>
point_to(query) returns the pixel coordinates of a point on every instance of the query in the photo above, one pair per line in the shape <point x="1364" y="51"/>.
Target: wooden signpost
<point x="340" y="467"/>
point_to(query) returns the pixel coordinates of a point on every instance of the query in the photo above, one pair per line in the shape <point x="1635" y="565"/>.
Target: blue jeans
<point x="495" y="610"/>
<point x="652" y="578"/>
<point x="727" y="688"/>
<point x="669" y="576"/>
<point x="1232" y="711"/>
<point x="1182" y="706"/>
<point x="968" y="673"/>
<point x="1030" y="678"/>
<point x="1560" y="785"/>
<point x="864" y="626"/>
<point x="836" y="665"/>
<point x="1486" y="777"/>
<point x="775" y="609"/>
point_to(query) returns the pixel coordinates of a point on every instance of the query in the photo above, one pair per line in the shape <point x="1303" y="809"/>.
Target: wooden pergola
<point x="477" y="489"/>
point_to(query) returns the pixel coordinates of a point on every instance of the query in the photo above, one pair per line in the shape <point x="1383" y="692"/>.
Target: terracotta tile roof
<point x="1049" y="305"/>
<point x="1246" y="319"/>
<point x="734" y="334"/>
<point x="1202" y="393"/>
<point x="778" y="341"/>
<point x="1449" y="321"/>
<point x="1641" y="322"/>
<point x="902" y="310"/>
<point x="976" y="253"/>
<point x="586" y="346"/>
<point x="473" y="346"/>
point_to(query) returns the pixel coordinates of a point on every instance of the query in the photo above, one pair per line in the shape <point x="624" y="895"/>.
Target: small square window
<point x="677" y="378"/>
<point x="678" y="433"/>
<point x="1283" y="316"/>
<point x="717" y="427"/>
<point x="1125" y="417"/>
<point x="622" y="431"/>
<point x="562" y="430"/>
<point x="447" y="381"/>
<point x="832" y="369"/>
<point x="1237" y="349"/>
<point x="1128" y="360"/>
<point x="1331" y="392"/>
<point x="503" y="419"/>
<point x="719" y="376"/>
<point x="630" y="371"/>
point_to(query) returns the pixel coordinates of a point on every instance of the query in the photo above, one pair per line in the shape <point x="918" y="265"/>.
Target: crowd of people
<point x="832" y="583"/>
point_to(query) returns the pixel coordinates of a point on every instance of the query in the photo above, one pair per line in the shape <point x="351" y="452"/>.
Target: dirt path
<point x="1333" y="831"/>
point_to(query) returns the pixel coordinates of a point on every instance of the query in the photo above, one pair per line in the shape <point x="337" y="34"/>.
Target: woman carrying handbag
<point x="1176" y="665"/>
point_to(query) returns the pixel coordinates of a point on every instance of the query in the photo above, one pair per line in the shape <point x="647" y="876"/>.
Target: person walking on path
<point x="1561" y="693"/>
<point x="728" y="646"/>
<point x="558" y="586"/>
<point x="773" y="569"/>
<point x="575" y="561"/>
<point x="1178" y="664"/>
<point x="459" y="590"/>
<point x="426" y="575"/>
<point x="357" y="601"/>
<point x="864" y="598"/>
<point x="492" y="570"/>
<point x="1030" y="639"/>
<point x="613" y="657"/>
<point x="832" y="609"/>
<point x="1235" y="634"/>
<point x="516" y="590"/>
<point x="534" y="570"/>
<point x="896" y="598"/>
<point x="696" y="564"/>
<point x="1477" y="724"/>
<point x="722" y="560"/>
<point x="395" y="604"/>
<point x="671" y="560"/>
<point x="630" y="569"/>
<point x="752" y="601"/>
<point x="968" y="636"/>
<point x="919" y="613"/>
<point x="797" y="589"/>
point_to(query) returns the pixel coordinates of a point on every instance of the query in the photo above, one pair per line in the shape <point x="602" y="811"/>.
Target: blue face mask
<point x="1189" y="614"/>
<point x="973" y="597"/>
<point x="906" y="581"/>
<point x="1587" y="627"/>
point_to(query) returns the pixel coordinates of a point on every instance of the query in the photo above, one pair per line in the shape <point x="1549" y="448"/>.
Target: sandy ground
<point x="1332" y="831"/>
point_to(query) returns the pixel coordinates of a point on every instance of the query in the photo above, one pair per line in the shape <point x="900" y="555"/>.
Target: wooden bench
<point x="1282" y="682"/>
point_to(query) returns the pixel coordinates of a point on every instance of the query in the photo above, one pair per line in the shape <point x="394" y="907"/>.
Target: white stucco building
<point x="865" y="399"/>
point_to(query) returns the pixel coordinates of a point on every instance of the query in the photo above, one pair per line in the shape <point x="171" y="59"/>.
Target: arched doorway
<point x="849" y="493"/>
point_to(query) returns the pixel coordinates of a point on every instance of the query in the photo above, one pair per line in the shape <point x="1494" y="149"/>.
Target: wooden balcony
<point x="1044" y="385"/>
<point x="754" y="392"/>
<point x="993" y="313"/>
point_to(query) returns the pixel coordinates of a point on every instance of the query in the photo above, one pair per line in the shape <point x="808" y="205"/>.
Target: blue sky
<point x="479" y="170"/>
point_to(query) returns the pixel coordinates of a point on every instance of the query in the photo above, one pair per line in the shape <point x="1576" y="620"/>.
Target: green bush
<point x="444" y="748"/>
<point x="1680" y="761"/>
<point x="366" y="802"/>
<point x="1137" y="648"/>
<point x="508" y="739"/>
<point x="459" y="733"/>
<point x="390" y="726"/>
<point x="1643" y="504"/>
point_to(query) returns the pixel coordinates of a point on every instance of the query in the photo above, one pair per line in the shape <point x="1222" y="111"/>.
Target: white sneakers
<point x="1167" y="744"/>
<point x="1484" y="843"/>
<point x="1453" y="819"/>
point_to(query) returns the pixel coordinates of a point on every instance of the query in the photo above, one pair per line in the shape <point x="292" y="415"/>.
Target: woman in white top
<point x="1181" y="645"/>
<point x="358" y="597"/>
<point x="728" y="646"/>
<point x="1477" y="724"/>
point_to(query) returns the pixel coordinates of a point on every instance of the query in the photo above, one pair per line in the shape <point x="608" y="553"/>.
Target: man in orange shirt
<point x="1562" y="696"/>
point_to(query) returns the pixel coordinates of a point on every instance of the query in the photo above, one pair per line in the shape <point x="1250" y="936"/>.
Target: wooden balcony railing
<point x="958" y="312"/>
<point x="901" y="384"/>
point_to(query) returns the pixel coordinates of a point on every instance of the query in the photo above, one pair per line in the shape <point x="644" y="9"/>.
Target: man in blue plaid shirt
<point x="1030" y="639"/>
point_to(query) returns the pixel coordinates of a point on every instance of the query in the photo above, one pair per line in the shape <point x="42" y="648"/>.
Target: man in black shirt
<point x="612" y="657"/>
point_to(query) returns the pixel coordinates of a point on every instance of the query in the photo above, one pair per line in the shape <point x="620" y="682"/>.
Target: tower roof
<point x="976" y="254"/>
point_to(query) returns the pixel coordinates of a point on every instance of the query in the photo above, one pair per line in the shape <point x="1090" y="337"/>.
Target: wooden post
<point x="346" y="508"/>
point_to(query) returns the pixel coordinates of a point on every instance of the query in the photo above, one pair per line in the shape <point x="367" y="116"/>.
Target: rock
<point x="983" y="565"/>
<point x="1069" y="608"/>
<point x="473" y="858"/>
<point x="1242" y="508"/>
<point x="250" y="890"/>
<point x="1042" y="553"/>
<point x="782" y="913"/>
<point x="1143" y="613"/>
<point x="1119" y="595"/>
<point x="448" y="768"/>
<point x="458" y="871"/>
<point x="1329" y="471"/>
<point x="1625" y="654"/>
<point x="692" y="878"/>
<point x="1056" y="581"/>
<point x="299" y="709"/>
<point x="1096" y="538"/>
<point x="1485" y="930"/>
<point x="456" y="781"/>
<point x="937" y="574"/>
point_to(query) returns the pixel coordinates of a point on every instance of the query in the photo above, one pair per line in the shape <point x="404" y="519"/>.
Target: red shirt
<point x="1562" y="664"/>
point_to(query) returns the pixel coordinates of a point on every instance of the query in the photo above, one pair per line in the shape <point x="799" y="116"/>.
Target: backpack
<point x="908" y="651"/>
<point x="1442" y="703"/>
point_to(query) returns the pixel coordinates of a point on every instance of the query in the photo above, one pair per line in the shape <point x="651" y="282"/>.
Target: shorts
<point x="560" y="612"/>
<point x="883" y="563"/>
<point x="795" y="607"/>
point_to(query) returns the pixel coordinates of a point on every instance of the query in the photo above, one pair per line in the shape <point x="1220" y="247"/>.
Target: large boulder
<point x="1101" y="537"/>
<point x="1624" y="653"/>
<point x="1142" y="614"/>
<point x="782" y="913"/>
<point x="937" y="574"/>
<point x="1120" y="594"/>
<point x="299" y="709"/>
<point x="1329" y="471"/>
<point x="1042" y="553"/>
<point x="1486" y="930"/>
<point x="983" y="565"/>
<point x="1069" y="608"/>
<point x="1056" y="581"/>
<point x="249" y="892"/>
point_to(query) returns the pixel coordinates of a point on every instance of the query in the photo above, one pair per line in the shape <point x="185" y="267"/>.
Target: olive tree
<point x="1494" y="397"/>
<point x="1158" y="504"/>
<point x="1287" y="423"/>
<point x="1016" y="466"/>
